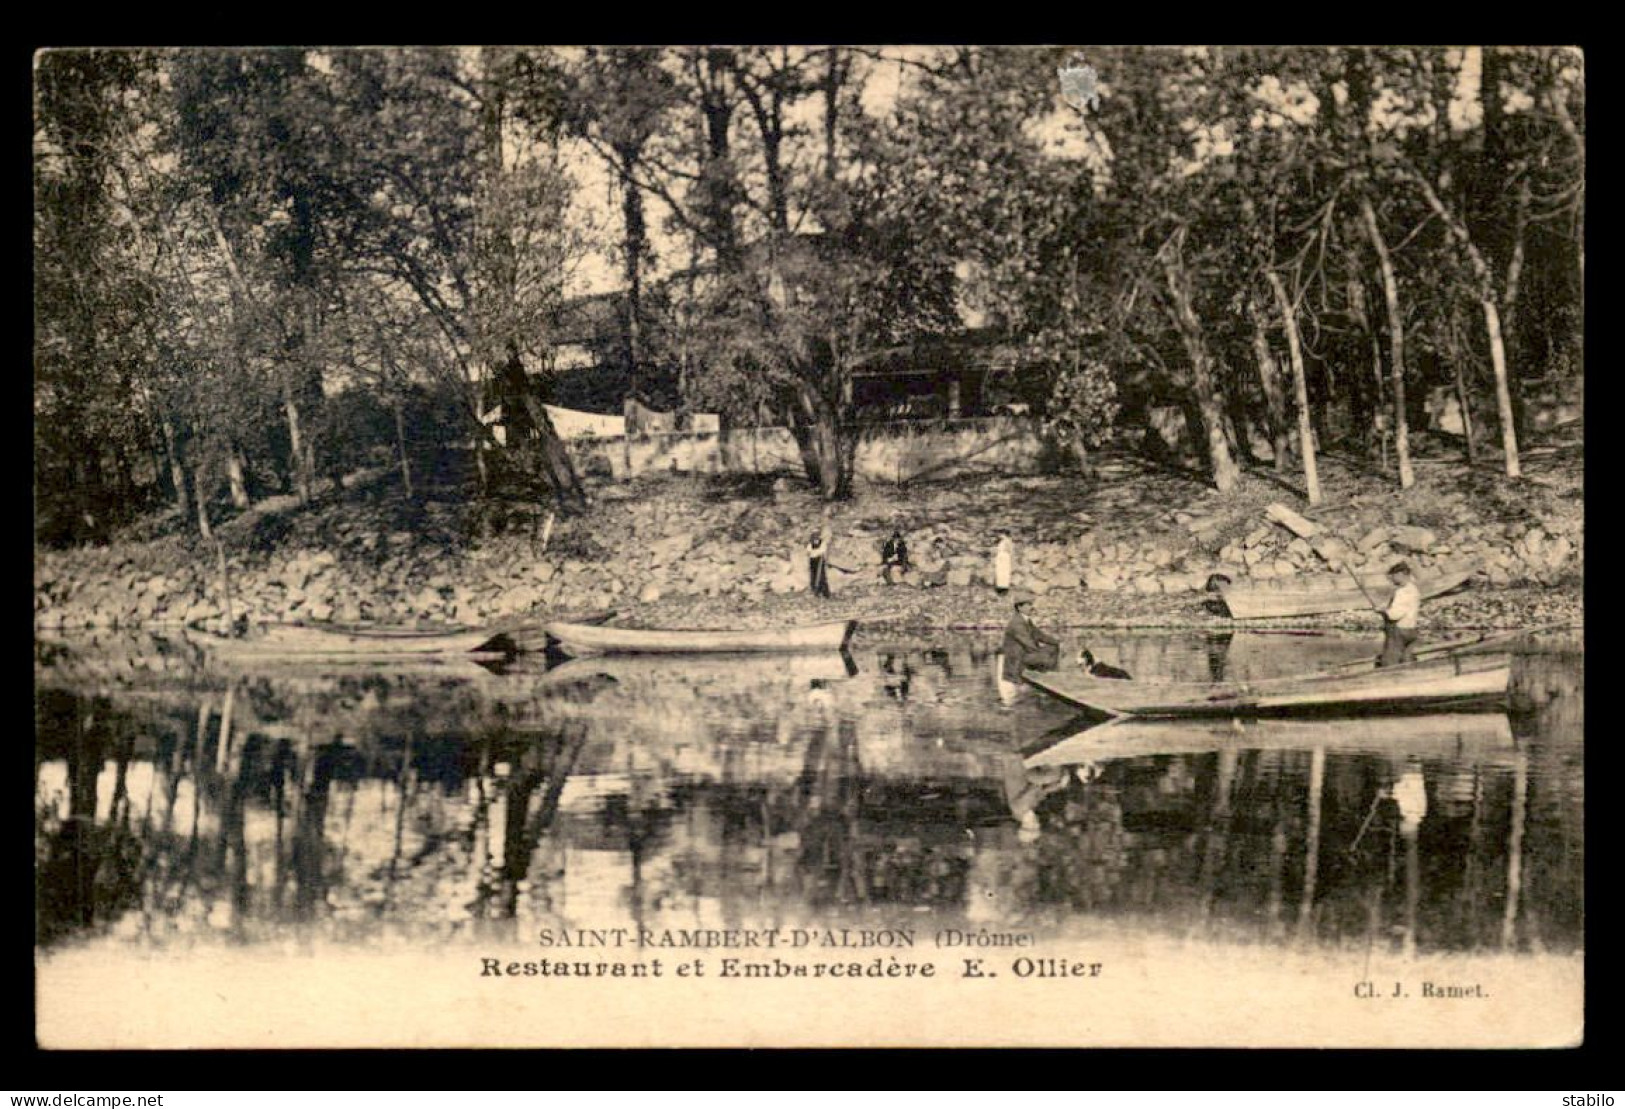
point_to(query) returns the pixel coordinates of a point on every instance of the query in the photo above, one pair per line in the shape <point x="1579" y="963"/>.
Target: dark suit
<point x="1025" y="646"/>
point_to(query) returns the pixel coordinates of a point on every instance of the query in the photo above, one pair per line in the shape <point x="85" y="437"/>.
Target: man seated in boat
<point x="1399" y="617"/>
<point x="1025" y="647"/>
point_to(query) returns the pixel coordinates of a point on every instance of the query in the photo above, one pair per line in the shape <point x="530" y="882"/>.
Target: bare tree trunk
<point x="234" y="475"/>
<point x="296" y="446"/>
<point x="834" y="78"/>
<point x="1503" y="394"/>
<point x="1080" y="454"/>
<point x="225" y="586"/>
<point x="1300" y="387"/>
<point x="830" y="471"/>
<point x="1226" y="474"/>
<point x="1378" y="418"/>
<point x="177" y="469"/>
<point x="400" y="443"/>
<point x="1557" y="105"/>
<point x="635" y="244"/>
<point x="1520" y="224"/>
<point x="1463" y="401"/>
<point x="1269" y="377"/>
<point x="1396" y="342"/>
<point x="821" y="444"/>
<point x="1492" y="319"/>
<point x="200" y="497"/>
<point x="801" y="430"/>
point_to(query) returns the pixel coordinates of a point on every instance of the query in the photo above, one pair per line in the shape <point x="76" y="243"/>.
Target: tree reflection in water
<point x="1390" y="851"/>
<point x="358" y="806"/>
<point x="87" y="871"/>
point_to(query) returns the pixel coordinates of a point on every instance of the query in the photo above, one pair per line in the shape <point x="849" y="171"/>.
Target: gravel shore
<point x="1132" y="548"/>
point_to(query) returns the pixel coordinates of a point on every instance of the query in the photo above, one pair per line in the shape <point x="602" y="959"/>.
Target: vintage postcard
<point x="809" y="546"/>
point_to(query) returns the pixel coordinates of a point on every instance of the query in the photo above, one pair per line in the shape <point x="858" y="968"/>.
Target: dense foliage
<point x="256" y="268"/>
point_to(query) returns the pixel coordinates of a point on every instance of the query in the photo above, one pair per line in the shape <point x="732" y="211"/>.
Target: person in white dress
<point x="1004" y="559"/>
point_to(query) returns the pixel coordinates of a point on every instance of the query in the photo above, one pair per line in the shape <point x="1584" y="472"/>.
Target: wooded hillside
<point x="255" y="268"/>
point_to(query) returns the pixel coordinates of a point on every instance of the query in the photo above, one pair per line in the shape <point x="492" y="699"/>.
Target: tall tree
<point x="256" y="131"/>
<point x="462" y="206"/>
<point x="804" y="259"/>
<point x="619" y="100"/>
<point x="1165" y="121"/>
<point x="88" y="300"/>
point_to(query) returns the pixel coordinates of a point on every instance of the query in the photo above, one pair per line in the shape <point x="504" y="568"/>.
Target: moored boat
<point x="1452" y="680"/>
<point x="358" y="641"/>
<point x="1260" y="600"/>
<point x="602" y="639"/>
<point x="361" y="641"/>
<point x="1449" y="734"/>
<point x="273" y="640"/>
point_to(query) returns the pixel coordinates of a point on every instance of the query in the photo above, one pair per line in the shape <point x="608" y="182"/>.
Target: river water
<point x="895" y="797"/>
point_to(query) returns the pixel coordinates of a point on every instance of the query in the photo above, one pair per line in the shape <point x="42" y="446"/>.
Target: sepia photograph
<point x="809" y="546"/>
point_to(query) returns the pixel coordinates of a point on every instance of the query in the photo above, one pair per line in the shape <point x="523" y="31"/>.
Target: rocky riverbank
<point x="1133" y="547"/>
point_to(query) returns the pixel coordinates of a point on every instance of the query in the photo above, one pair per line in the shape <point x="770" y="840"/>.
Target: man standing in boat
<point x="1399" y="618"/>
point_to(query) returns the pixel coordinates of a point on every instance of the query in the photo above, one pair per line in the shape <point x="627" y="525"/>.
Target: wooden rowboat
<point x="1449" y="734"/>
<point x="338" y="641"/>
<point x="1258" y="600"/>
<point x="599" y="639"/>
<point x="1453" y="680"/>
<point x="287" y="640"/>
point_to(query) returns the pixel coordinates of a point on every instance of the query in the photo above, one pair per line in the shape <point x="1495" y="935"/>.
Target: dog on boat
<point x="1101" y="669"/>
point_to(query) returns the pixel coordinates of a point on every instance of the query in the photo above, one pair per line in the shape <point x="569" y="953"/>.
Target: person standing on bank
<point x="1024" y="645"/>
<point x="818" y="565"/>
<point x="1399" y="618"/>
<point x="894" y="556"/>
<point x="1004" y="560"/>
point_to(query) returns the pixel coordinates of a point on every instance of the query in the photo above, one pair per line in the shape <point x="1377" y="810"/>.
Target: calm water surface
<point x="179" y="806"/>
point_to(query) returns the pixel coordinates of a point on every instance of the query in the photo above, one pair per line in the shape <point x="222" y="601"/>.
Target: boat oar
<point x="1360" y="585"/>
<point x="1490" y="637"/>
<point x="1463" y="644"/>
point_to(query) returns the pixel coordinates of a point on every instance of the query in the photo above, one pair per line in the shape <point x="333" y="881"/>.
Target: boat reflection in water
<point x="379" y="805"/>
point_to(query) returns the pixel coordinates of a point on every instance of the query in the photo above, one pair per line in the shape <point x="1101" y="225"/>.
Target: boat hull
<point x="1447" y="734"/>
<point x="295" y="640"/>
<point x="338" y="641"/>
<point x="1265" y="600"/>
<point x="1451" y="681"/>
<point x="591" y="639"/>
